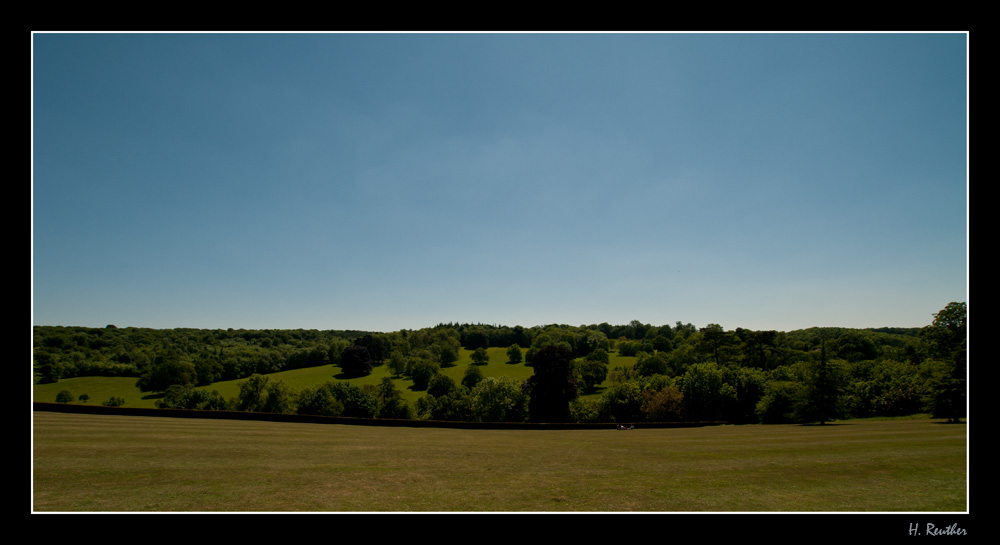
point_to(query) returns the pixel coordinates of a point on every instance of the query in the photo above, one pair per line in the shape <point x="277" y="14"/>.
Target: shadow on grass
<point x="344" y="376"/>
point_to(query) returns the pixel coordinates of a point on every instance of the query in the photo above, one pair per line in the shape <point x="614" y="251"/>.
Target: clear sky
<point x="397" y="181"/>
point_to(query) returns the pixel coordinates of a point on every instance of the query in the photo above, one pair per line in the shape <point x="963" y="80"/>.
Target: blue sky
<point x="396" y="181"/>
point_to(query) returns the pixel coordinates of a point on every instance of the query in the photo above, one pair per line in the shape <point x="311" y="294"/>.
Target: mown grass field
<point x="100" y="389"/>
<point x="124" y="463"/>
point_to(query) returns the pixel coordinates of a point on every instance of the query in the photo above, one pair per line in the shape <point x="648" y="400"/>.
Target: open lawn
<point x="125" y="463"/>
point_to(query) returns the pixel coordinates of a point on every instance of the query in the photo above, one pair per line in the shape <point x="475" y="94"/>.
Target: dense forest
<point x="675" y="373"/>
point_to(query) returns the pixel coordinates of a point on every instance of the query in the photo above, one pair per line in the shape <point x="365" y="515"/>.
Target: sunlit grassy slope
<point x="100" y="389"/>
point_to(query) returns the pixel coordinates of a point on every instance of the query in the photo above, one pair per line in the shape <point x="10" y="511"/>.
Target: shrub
<point x="114" y="402"/>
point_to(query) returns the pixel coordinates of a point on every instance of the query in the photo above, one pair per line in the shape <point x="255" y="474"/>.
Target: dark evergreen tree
<point x="355" y="361"/>
<point x="551" y="388"/>
<point x="821" y="392"/>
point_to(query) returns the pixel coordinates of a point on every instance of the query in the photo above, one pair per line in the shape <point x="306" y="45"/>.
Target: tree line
<point x="677" y="372"/>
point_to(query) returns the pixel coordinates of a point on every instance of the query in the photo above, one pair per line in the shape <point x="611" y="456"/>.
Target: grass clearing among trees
<point x="99" y="389"/>
<point x="98" y="463"/>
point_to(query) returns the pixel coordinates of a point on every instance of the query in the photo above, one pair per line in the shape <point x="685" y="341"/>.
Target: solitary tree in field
<point x="480" y="356"/>
<point x="514" y="354"/>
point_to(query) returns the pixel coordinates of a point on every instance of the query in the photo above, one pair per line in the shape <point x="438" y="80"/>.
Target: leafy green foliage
<point x="167" y="370"/>
<point x="758" y="376"/>
<point x="707" y="394"/>
<point x="114" y="401"/>
<point x="279" y="398"/>
<point x="253" y="394"/>
<point x="947" y="382"/>
<point x="441" y="385"/>
<point x="397" y="363"/>
<point x="853" y="346"/>
<point x="390" y="402"/>
<point x="184" y="396"/>
<point x="498" y="400"/>
<point x="378" y="346"/>
<point x="622" y="402"/>
<point x="421" y="371"/>
<point x="885" y="388"/>
<point x="68" y="352"/>
<point x="591" y="372"/>
<point x="480" y="356"/>
<point x="357" y="403"/>
<point x="455" y="405"/>
<point x="318" y="401"/>
<point x="473" y="375"/>
<point x="514" y="354"/>
<point x="663" y="405"/>
<point x="649" y="364"/>
<point x="822" y="392"/>
<point x="777" y="405"/>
